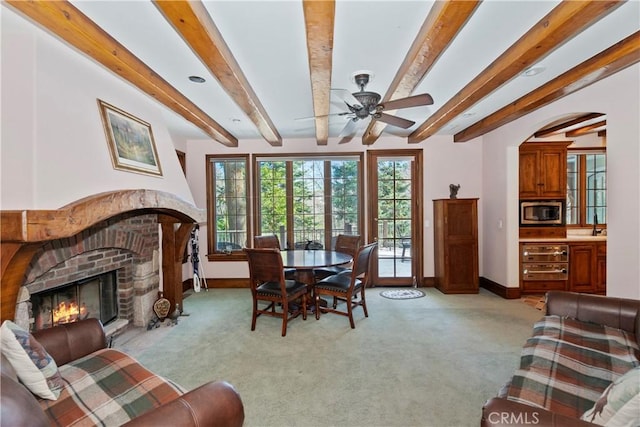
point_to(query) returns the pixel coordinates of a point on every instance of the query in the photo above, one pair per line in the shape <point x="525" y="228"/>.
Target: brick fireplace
<point x="117" y="232"/>
<point x="126" y="244"/>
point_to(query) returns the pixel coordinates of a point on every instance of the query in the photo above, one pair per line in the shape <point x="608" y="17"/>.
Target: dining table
<point x="304" y="261"/>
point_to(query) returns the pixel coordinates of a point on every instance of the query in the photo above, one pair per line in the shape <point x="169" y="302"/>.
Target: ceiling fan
<point x="364" y="104"/>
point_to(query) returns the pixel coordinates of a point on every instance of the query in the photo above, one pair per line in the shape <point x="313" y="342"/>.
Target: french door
<point x="395" y="214"/>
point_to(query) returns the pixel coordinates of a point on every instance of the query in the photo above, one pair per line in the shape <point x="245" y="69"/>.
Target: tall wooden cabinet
<point x="456" y="245"/>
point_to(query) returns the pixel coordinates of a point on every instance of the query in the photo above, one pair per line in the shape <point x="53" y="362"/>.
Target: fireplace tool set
<point x="199" y="281"/>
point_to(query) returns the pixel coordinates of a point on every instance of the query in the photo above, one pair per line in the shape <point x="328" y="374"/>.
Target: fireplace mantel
<point x="43" y="225"/>
<point x="24" y="232"/>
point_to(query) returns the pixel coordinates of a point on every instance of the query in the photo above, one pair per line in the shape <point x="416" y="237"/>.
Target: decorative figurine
<point x="453" y="191"/>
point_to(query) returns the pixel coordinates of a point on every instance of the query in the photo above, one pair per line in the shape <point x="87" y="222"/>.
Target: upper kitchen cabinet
<point x="543" y="170"/>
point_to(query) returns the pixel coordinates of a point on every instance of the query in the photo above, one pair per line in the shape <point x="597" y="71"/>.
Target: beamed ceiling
<point x="271" y="68"/>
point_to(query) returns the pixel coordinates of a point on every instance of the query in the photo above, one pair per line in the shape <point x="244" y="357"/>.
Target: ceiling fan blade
<point x="324" y="115"/>
<point x="395" y="121"/>
<point x="349" y="131"/>
<point x="346" y="96"/>
<point x="408" y="102"/>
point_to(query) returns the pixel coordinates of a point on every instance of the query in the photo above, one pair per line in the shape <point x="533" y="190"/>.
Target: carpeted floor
<point x="430" y="361"/>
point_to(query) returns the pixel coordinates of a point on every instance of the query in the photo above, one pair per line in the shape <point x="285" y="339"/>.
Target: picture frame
<point x="130" y="141"/>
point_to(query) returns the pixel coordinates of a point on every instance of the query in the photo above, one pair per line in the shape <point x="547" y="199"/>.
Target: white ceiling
<point x="268" y="41"/>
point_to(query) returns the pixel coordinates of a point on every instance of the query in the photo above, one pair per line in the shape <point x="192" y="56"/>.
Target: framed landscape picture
<point x="130" y="141"/>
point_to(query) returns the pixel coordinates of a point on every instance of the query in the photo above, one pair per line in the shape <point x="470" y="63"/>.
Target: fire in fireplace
<point x="94" y="297"/>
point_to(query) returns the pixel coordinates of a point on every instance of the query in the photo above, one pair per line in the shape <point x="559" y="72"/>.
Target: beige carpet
<point x="430" y="361"/>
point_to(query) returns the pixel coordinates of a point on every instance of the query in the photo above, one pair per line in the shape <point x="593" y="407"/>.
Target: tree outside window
<point x="586" y="188"/>
<point x="308" y="201"/>
<point x="227" y="210"/>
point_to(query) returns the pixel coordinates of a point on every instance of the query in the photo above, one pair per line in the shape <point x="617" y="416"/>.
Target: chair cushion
<point x="325" y="272"/>
<point x="35" y="368"/>
<point x="290" y="273"/>
<point x="338" y="282"/>
<point x="273" y="288"/>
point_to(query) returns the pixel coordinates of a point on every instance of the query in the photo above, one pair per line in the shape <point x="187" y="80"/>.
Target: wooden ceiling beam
<point x="619" y="56"/>
<point x="194" y="24"/>
<point x="586" y="129"/>
<point x="319" y="19"/>
<point x="63" y="20"/>
<point x="563" y="22"/>
<point x="559" y="127"/>
<point x="440" y="27"/>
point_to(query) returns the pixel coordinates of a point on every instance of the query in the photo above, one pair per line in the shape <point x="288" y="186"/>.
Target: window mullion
<point x="582" y="171"/>
<point x="290" y="223"/>
<point x="328" y="206"/>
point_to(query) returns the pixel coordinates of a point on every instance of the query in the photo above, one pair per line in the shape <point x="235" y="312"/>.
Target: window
<point x="586" y="188"/>
<point x="310" y="200"/>
<point x="227" y="206"/>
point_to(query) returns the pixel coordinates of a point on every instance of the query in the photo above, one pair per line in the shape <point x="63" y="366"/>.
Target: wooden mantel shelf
<point x="43" y="225"/>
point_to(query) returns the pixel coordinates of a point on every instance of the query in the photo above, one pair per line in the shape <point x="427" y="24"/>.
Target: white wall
<point x="619" y="98"/>
<point x="444" y="163"/>
<point x="54" y="149"/>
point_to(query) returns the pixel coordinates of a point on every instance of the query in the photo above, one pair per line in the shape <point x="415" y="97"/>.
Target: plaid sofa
<point x="582" y="345"/>
<point x="103" y="386"/>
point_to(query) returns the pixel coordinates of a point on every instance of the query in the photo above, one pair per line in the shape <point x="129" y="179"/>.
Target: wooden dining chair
<point x="268" y="285"/>
<point x="343" y="286"/>
<point x="272" y="241"/>
<point x="345" y="243"/>
<point x="266" y="241"/>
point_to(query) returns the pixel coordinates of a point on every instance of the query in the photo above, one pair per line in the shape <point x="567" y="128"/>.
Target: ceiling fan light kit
<point x="357" y="76"/>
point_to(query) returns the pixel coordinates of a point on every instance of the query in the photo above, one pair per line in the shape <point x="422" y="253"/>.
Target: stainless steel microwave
<point x="542" y="212"/>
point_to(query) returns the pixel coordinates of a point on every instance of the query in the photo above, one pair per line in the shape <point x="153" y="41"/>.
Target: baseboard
<point x="219" y="283"/>
<point x="498" y="289"/>
<point x="427" y="282"/>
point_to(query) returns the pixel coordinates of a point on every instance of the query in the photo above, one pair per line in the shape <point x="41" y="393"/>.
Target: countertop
<point x="569" y="238"/>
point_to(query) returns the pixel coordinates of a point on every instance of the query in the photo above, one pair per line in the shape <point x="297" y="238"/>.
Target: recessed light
<point x="197" y="79"/>
<point x="533" y="71"/>
<point x="468" y="114"/>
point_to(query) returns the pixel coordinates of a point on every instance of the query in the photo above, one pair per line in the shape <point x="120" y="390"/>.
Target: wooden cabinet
<point x="543" y="170"/>
<point x="588" y="267"/>
<point x="601" y="268"/>
<point x="456" y="245"/>
<point x="582" y="267"/>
